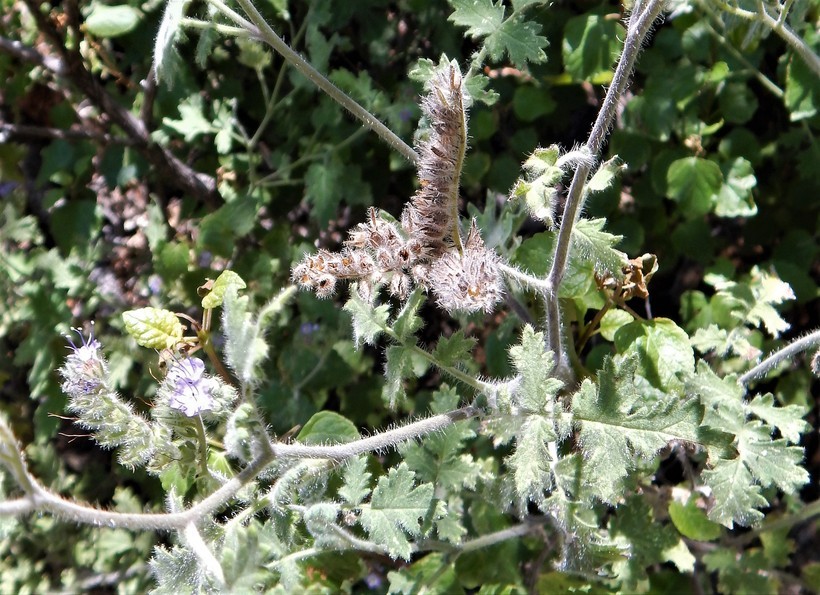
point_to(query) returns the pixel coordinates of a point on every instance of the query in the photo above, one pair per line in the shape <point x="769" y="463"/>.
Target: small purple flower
<point x="191" y="388"/>
<point x="308" y="328"/>
<point x="85" y="369"/>
<point x="373" y="581"/>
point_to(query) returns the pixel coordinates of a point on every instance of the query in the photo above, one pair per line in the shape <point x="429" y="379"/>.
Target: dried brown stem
<point x="168" y="167"/>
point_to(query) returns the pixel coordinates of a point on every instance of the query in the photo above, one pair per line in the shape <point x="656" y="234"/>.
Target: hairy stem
<point x="40" y="499"/>
<point x="778" y="356"/>
<point x="779" y="27"/>
<point x="381" y="441"/>
<point x="639" y="25"/>
<point x="262" y="31"/>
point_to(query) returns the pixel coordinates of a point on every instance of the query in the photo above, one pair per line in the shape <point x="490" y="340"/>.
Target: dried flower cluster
<point x="468" y="281"/>
<point x="423" y="249"/>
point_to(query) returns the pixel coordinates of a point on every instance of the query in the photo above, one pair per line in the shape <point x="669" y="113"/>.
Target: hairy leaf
<point x="395" y="511"/>
<point x="453" y="349"/>
<point x="356" y="481"/>
<point x="593" y="243"/>
<point x="532" y="360"/>
<point x="368" y="321"/>
<point x="531" y="461"/>
<point x="618" y="425"/>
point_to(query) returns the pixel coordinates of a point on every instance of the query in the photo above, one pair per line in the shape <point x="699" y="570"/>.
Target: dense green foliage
<point x="167" y="197"/>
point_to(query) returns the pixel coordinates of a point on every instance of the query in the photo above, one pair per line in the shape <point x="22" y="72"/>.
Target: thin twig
<point x="265" y="33"/>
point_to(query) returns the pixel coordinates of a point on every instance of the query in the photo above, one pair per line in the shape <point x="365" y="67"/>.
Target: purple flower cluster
<point x="191" y="389"/>
<point x="85" y="369"/>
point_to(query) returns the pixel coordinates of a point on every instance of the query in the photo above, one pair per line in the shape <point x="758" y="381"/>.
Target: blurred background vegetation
<point x="119" y="193"/>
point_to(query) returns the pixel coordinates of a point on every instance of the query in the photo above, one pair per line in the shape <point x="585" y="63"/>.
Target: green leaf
<point x="619" y="424"/>
<point x="735" y="197"/>
<point x="454" y="349"/>
<point x="767" y="290"/>
<point x="481" y="17"/>
<point x="605" y="175"/>
<point x="112" y="21"/>
<point x="593" y="244"/>
<point x="695" y="184"/>
<point x="396" y="510"/>
<point x="737" y="496"/>
<point x="691" y="521"/>
<point x="539" y="197"/>
<point x="166" y="57"/>
<point x="664" y="353"/>
<point x="519" y="39"/>
<point x="537" y="391"/>
<point x="531" y="461"/>
<point x="153" y="328"/>
<point x="612" y="321"/>
<point x="192" y="122"/>
<point x="440" y="458"/>
<point x="650" y="542"/>
<point x="408" y="321"/>
<point x="227" y="280"/>
<point x="530" y="103"/>
<point x="737" y="103"/>
<point x="758" y="460"/>
<point x="747" y="572"/>
<point x="590" y="46"/>
<point x="787" y="419"/>
<point x="432" y="573"/>
<point x="219" y="230"/>
<point x="368" y="321"/>
<point x="356" y="481"/>
<point x="328" y="427"/>
<point x="245" y="346"/>
<point x="398" y="365"/>
<point x="802" y="85"/>
<point x="329" y="182"/>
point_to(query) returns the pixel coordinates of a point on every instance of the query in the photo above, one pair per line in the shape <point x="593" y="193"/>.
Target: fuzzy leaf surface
<point x="593" y="243"/>
<point x="534" y="363"/>
<point x="453" y="349"/>
<point x="617" y="425"/>
<point x="395" y="511"/>
<point x="368" y="321"/>
<point x="356" y="481"/>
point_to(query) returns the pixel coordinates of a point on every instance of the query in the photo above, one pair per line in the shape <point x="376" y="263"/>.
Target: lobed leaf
<point x="395" y="511"/>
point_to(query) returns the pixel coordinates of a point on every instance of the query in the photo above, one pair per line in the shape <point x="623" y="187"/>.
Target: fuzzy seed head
<point x="470" y="281"/>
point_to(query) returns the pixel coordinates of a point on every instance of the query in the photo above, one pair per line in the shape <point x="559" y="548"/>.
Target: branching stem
<point x="637" y="30"/>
